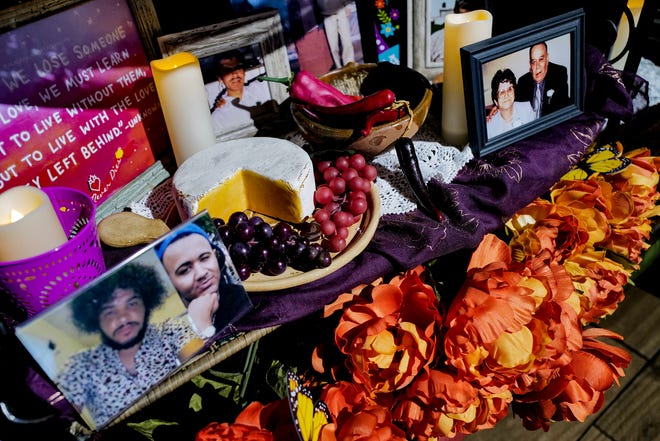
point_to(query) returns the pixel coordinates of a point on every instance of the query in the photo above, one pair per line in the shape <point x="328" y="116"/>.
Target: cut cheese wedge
<point x="270" y="176"/>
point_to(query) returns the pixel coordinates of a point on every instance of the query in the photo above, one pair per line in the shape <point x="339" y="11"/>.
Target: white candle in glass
<point x="460" y="30"/>
<point x="29" y="225"/>
<point x="184" y="101"/>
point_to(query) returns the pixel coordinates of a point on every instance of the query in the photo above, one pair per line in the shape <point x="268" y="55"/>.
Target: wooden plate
<point x="360" y="234"/>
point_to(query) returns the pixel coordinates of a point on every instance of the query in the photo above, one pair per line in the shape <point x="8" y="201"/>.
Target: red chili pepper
<point x="381" y="117"/>
<point x="305" y="88"/>
<point x="370" y="103"/>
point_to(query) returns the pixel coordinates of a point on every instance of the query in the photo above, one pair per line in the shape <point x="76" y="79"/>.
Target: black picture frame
<point x="564" y="38"/>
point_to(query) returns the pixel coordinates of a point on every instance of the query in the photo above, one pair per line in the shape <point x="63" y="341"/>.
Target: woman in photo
<point x="510" y="113"/>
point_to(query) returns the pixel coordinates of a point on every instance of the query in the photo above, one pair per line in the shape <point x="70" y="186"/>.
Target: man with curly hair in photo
<point x="134" y="354"/>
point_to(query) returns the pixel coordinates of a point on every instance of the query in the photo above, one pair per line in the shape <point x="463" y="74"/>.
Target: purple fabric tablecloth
<point x="485" y="193"/>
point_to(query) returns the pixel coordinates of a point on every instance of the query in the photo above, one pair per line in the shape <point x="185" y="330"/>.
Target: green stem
<point x="282" y="80"/>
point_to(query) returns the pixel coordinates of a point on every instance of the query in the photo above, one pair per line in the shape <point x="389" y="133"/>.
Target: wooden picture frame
<point x="425" y="36"/>
<point x="264" y="30"/>
<point x="144" y="14"/>
<point x="488" y="61"/>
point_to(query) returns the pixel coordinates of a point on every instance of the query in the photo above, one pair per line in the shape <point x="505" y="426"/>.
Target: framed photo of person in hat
<point x="232" y="54"/>
<point x="236" y="98"/>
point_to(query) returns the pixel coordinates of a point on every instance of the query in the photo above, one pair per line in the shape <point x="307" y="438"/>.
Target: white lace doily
<point x="435" y="161"/>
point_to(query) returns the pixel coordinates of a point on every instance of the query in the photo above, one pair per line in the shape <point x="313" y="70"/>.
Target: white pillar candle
<point x="460" y="30"/>
<point x="184" y="101"/>
<point x="29" y="225"/>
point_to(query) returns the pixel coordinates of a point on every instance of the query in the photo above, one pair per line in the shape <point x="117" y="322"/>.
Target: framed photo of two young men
<point x="522" y="82"/>
<point x="116" y="339"/>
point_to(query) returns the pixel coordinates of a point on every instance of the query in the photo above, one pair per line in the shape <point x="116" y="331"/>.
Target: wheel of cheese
<point x="270" y="176"/>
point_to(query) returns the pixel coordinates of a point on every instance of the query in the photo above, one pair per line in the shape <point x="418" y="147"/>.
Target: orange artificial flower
<point x="274" y="417"/>
<point x="541" y="226"/>
<point x="373" y="423"/>
<point x="640" y="178"/>
<point x="492" y="408"/>
<point x="629" y="241"/>
<point x="578" y="389"/>
<point x="590" y="193"/>
<point x="511" y="319"/>
<point x="389" y="332"/>
<point x="490" y="310"/>
<point x="232" y="432"/>
<point x="434" y="403"/>
<point x="627" y="200"/>
<point x="632" y="206"/>
<point x="599" y="283"/>
<point x="344" y="399"/>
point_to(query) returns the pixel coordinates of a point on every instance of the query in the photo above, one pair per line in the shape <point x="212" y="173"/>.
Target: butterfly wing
<point x="320" y="419"/>
<point x="575" y="174"/>
<point x="604" y="160"/>
<point x="308" y="416"/>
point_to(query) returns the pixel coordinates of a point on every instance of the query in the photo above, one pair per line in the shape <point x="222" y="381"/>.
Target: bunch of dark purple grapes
<point x="256" y="246"/>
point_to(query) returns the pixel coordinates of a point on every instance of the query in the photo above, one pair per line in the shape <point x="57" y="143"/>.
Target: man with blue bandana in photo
<point x="200" y="273"/>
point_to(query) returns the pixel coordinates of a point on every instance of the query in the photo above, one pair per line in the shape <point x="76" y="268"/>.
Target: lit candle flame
<point x="15" y="215"/>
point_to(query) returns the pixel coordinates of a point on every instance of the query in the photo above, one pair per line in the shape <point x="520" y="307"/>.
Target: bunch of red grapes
<point x="341" y="196"/>
<point x="256" y="246"/>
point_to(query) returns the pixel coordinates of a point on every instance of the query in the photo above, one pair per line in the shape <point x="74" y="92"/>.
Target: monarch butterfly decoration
<point x="309" y="416"/>
<point x="604" y="160"/>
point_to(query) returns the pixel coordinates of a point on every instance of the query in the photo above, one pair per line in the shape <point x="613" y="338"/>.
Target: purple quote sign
<point x="78" y="105"/>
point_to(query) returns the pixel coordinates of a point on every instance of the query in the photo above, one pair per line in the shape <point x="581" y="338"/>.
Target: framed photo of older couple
<point x="524" y="81"/>
<point x="121" y="335"/>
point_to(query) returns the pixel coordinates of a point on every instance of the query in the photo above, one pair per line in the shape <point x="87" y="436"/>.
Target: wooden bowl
<point x="364" y="79"/>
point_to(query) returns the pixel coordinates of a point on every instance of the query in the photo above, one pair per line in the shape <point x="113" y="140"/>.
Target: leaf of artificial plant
<point x="147" y="427"/>
<point x="195" y="402"/>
